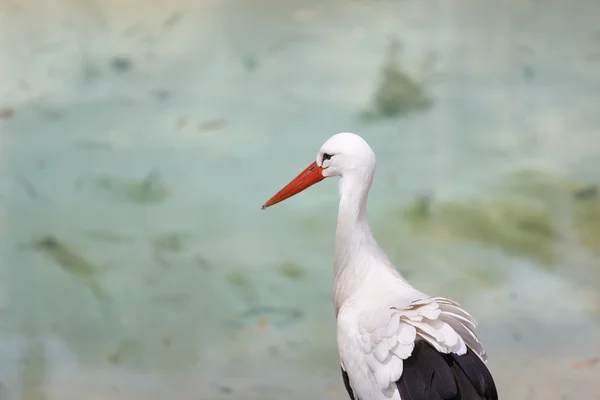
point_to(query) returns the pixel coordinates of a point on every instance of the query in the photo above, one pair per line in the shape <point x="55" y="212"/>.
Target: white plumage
<point x="394" y="341"/>
<point x="373" y="343"/>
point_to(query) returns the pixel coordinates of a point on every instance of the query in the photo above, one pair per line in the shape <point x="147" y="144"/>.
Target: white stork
<point x="395" y="342"/>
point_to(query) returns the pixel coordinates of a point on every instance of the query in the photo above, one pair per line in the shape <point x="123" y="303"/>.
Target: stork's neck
<point x="356" y="251"/>
<point x="352" y="225"/>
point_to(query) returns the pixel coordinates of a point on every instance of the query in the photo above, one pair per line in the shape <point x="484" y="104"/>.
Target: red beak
<point x="311" y="175"/>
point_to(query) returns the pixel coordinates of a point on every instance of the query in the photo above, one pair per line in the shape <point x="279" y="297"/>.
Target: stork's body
<point x="395" y="342"/>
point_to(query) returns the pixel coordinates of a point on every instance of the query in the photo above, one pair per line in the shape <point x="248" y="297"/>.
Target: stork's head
<point x="344" y="154"/>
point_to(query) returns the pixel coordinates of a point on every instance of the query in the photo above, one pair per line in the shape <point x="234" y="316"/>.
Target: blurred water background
<point x="139" y="140"/>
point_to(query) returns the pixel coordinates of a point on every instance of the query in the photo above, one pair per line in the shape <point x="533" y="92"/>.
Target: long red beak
<point x="311" y="175"/>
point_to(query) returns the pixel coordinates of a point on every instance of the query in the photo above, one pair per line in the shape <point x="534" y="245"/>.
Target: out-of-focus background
<point x="139" y="140"/>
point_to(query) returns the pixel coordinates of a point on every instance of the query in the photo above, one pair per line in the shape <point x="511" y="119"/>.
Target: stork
<point x="394" y="341"/>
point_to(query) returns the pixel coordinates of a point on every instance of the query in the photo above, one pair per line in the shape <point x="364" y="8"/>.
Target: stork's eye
<point x="326" y="157"/>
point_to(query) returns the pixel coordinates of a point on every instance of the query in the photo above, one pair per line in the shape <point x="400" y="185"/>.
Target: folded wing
<point x="426" y="349"/>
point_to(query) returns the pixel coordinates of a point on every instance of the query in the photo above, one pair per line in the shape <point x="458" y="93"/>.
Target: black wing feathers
<point x="431" y="375"/>
<point x="347" y="384"/>
<point x="477" y="374"/>
<point x="426" y="375"/>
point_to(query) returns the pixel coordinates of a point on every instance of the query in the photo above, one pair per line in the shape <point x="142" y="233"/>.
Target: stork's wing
<point x="425" y="350"/>
<point x="347" y="384"/>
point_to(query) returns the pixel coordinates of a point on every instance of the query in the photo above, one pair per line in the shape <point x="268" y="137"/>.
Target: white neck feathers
<point x="356" y="251"/>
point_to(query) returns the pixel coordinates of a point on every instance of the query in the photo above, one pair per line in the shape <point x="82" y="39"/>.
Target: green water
<point x="139" y="142"/>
